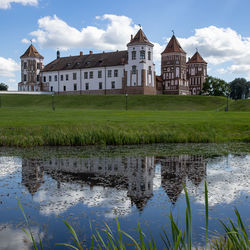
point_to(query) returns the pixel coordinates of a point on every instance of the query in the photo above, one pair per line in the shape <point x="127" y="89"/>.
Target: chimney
<point x="90" y="52"/>
<point x="131" y="38"/>
<point x="81" y="53"/>
<point x="57" y="54"/>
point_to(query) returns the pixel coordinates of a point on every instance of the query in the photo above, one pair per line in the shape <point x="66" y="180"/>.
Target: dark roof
<point x="140" y="38"/>
<point x="196" y="58"/>
<point x="88" y="61"/>
<point x="31" y="52"/>
<point x="173" y="46"/>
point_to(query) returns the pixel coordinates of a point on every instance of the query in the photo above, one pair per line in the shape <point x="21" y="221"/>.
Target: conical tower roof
<point x="32" y="52"/>
<point x="173" y="46"/>
<point x="140" y="38"/>
<point x="196" y="58"/>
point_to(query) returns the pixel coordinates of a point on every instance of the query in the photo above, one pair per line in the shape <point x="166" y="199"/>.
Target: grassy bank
<point x="77" y="127"/>
<point x="117" y="102"/>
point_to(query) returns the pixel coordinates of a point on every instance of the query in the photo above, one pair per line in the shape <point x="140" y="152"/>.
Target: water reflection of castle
<point x="135" y="174"/>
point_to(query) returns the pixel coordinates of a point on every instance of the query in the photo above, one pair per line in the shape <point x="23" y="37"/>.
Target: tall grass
<point x="235" y="236"/>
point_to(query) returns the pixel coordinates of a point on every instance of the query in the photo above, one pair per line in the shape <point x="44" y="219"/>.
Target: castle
<point x="131" y="71"/>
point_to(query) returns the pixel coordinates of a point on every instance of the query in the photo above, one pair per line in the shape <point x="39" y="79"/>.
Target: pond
<point x="134" y="184"/>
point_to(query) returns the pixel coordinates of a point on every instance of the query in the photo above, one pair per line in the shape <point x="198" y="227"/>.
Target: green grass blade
<point x="206" y="211"/>
<point x="71" y="229"/>
<point x="177" y="243"/>
<point x="133" y="240"/>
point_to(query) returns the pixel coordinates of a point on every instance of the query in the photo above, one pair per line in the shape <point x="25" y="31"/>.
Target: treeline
<point x="239" y="88"/>
<point x="3" y="87"/>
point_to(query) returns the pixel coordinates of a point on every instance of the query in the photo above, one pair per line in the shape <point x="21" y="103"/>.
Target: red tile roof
<point x="32" y="52"/>
<point x="173" y="46"/>
<point x="140" y="38"/>
<point x="196" y="58"/>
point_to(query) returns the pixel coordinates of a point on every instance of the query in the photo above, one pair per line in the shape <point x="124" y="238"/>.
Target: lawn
<point x="75" y="127"/>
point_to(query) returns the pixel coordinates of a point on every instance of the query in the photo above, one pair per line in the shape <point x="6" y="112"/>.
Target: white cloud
<point x="227" y="178"/>
<point x="8" y="67"/>
<point x="13" y="238"/>
<point x="53" y="32"/>
<point x="6" y="4"/>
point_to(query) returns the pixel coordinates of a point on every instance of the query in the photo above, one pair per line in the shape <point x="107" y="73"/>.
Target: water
<point x="134" y="189"/>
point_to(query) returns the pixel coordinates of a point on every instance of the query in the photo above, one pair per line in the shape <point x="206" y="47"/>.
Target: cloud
<point x="13" y="238"/>
<point x="8" y="67"/>
<point x="6" y="4"/>
<point x="227" y="178"/>
<point x="53" y="32"/>
<point x="26" y="41"/>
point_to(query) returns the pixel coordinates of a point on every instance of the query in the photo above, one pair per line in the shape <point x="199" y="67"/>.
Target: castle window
<point x="142" y="54"/>
<point x="51" y="88"/>
<point x="149" y="55"/>
<point x="74" y="76"/>
<point x="100" y="85"/>
<point x="37" y="78"/>
<point x="50" y="79"/>
<point x="38" y="65"/>
<point x="86" y="86"/>
<point x="67" y="77"/>
<point x="75" y="87"/>
<point x="61" y="77"/>
<point x="100" y="74"/>
<point x="109" y="73"/>
<point x="25" y="78"/>
<point x="55" y="78"/>
<point x="91" y="74"/>
<point x="44" y="79"/>
<point x="115" y="73"/>
<point x="113" y="85"/>
<point x="64" y="88"/>
<point x="133" y="70"/>
<point x="133" y="55"/>
<point x="85" y="75"/>
<point x="25" y="65"/>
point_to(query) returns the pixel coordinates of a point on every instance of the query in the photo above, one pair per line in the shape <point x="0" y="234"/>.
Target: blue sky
<point x="219" y="29"/>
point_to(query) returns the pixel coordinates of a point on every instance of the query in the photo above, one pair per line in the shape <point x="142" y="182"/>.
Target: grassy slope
<point x="240" y="105"/>
<point x="28" y="121"/>
<point x="135" y="102"/>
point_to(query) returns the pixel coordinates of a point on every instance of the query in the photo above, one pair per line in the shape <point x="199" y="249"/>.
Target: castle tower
<point x="140" y="70"/>
<point x="31" y="65"/>
<point x="196" y="73"/>
<point x="173" y="69"/>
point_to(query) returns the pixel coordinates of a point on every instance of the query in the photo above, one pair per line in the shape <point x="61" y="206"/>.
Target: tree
<point x="3" y="87"/>
<point x="215" y="87"/>
<point x="239" y="88"/>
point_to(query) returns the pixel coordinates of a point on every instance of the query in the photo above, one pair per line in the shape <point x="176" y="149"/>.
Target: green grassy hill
<point x="117" y="102"/>
<point x="240" y="105"/>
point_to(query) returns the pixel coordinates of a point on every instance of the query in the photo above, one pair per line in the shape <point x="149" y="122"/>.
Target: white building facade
<point x="130" y="71"/>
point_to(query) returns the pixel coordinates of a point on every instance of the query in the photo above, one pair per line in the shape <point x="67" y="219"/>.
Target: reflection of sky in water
<point x="12" y="238"/>
<point x="132" y="188"/>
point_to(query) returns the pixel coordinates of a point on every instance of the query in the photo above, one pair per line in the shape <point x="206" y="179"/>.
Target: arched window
<point x="149" y="55"/>
<point x="133" y="55"/>
<point x="133" y="70"/>
<point x="142" y="54"/>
